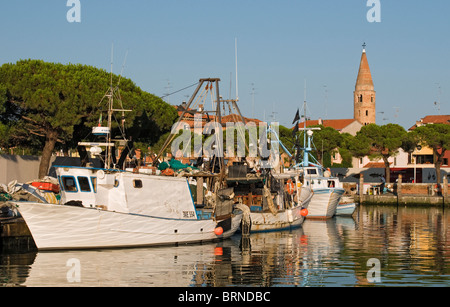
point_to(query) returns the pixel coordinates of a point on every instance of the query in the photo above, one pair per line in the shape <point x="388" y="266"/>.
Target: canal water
<point x="379" y="246"/>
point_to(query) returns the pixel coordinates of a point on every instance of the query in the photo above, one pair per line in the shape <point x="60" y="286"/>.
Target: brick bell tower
<point x="364" y="96"/>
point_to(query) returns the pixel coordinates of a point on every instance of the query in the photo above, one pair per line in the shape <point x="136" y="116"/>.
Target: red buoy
<point x="304" y="212"/>
<point x="218" y="231"/>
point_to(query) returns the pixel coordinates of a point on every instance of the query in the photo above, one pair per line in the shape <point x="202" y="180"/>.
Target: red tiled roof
<point x="432" y="119"/>
<point x="375" y="165"/>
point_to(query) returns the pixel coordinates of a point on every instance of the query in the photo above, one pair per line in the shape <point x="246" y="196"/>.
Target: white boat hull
<point x="68" y="227"/>
<point x="346" y="209"/>
<point x="286" y="219"/>
<point x="324" y="203"/>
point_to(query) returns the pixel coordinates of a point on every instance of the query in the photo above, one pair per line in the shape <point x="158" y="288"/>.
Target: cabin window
<point x="312" y="172"/>
<point x="137" y="183"/>
<point x="94" y="183"/>
<point x="331" y="184"/>
<point x="69" y="184"/>
<point x="116" y="183"/>
<point x="83" y="182"/>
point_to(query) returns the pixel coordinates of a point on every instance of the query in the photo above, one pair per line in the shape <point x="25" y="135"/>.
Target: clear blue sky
<point x="280" y="45"/>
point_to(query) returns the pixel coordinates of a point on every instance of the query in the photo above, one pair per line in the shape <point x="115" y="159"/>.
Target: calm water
<point x="410" y="246"/>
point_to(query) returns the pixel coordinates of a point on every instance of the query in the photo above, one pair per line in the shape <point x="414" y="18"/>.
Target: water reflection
<point x="411" y="244"/>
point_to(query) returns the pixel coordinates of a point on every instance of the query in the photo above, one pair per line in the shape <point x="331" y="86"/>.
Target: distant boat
<point x="346" y="206"/>
<point x="327" y="192"/>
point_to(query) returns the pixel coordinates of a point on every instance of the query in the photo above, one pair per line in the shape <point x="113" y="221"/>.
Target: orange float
<point x="290" y="187"/>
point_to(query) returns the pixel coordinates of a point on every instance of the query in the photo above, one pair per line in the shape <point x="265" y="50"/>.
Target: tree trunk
<point x="437" y="164"/>
<point x="50" y="142"/>
<point x="387" y="169"/>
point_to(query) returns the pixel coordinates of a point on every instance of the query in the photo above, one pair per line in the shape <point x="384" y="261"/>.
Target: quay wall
<point x="414" y="194"/>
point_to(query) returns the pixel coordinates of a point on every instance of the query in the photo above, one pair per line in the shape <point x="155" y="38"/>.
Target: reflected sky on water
<point x="411" y="246"/>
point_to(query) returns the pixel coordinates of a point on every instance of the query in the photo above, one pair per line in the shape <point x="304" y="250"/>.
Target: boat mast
<point x="110" y="108"/>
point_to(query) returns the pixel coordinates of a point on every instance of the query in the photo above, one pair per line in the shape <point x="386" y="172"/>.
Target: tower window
<point x="360" y="98"/>
<point x="367" y="113"/>
<point x="371" y="98"/>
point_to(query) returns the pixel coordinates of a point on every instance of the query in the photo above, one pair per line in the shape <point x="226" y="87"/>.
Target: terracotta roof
<point x="432" y="119"/>
<point x="337" y="124"/>
<point x="231" y="118"/>
<point x="375" y="165"/>
<point x="234" y="118"/>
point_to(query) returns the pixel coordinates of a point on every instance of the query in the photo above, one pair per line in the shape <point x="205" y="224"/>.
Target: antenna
<point x="236" y="61"/>
<point x="438" y="102"/>
<point x="168" y="88"/>
<point x="253" y="99"/>
<point x="123" y="67"/>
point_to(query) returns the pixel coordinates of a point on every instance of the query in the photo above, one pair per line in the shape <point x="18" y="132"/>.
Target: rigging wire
<point x="180" y="90"/>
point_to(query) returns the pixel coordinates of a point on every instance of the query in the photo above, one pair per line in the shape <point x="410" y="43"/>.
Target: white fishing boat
<point x="289" y="213"/>
<point x="281" y="205"/>
<point x="110" y="208"/>
<point x="327" y="192"/>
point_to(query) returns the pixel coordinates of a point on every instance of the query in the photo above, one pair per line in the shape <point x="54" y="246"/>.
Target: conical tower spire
<point x="364" y="80"/>
<point x="364" y="94"/>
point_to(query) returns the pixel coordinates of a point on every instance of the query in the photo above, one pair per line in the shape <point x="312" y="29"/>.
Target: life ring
<point x="100" y="174"/>
<point x="290" y="187"/>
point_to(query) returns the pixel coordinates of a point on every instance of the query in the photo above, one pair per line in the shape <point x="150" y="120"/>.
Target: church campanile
<point x="364" y="94"/>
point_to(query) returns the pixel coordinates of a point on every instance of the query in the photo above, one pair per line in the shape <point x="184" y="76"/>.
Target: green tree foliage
<point x="58" y="104"/>
<point x="327" y="141"/>
<point x="437" y="137"/>
<point x="379" y="142"/>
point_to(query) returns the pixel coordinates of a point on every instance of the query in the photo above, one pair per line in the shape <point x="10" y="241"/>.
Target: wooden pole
<point x="361" y="188"/>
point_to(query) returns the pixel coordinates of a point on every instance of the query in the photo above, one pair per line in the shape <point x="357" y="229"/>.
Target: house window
<point x="424" y="159"/>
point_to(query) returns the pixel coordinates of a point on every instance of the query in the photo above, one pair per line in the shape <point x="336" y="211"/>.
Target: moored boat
<point x="110" y="209"/>
<point x="275" y="201"/>
<point x="346" y="207"/>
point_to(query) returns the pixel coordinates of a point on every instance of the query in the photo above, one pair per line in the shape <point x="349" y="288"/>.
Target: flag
<point x="297" y="117"/>
<point x="294" y="132"/>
